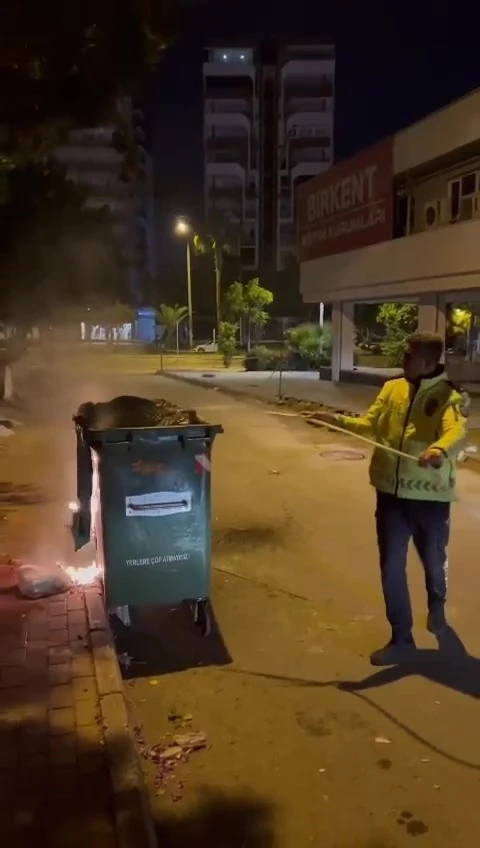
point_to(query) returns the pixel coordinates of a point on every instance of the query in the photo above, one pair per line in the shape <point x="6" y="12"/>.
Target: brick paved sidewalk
<point x="55" y="785"/>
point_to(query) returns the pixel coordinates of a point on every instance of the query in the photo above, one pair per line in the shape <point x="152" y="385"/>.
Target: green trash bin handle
<point x="126" y="436"/>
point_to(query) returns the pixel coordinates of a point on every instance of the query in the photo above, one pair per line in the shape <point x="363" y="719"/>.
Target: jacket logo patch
<point x="431" y="407"/>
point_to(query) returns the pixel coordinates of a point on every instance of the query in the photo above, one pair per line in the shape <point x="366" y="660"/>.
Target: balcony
<point x="298" y="87"/>
<point x="228" y="106"/>
<point x="308" y="169"/>
<point x="233" y="194"/>
<point x="69" y="153"/>
<point x="318" y="68"/>
<point x="116" y="206"/>
<point x="104" y="188"/>
<point x="227" y="156"/>
<point x="232" y="123"/>
<point x="305" y="121"/>
<point x="223" y="68"/>
<point x="446" y="259"/>
<point x="225" y="169"/>
<point x="308" y="153"/>
<point x="230" y="87"/>
<point x="92" y="137"/>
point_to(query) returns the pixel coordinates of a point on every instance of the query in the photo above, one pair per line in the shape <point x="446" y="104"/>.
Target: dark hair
<point x="428" y="345"/>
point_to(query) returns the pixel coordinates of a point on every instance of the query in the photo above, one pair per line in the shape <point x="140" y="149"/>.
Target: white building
<point x="94" y="158"/>
<point x="268" y="126"/>
<point x="400" y="221"/>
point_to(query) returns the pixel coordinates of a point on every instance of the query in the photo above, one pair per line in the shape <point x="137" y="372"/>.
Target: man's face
<point x="414" y="364"/>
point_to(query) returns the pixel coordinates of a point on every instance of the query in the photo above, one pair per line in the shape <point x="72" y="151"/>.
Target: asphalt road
<point x="306" y="744"/>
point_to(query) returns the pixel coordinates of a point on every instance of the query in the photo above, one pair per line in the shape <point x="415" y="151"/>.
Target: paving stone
<point x="59" y="673"/>
<point x="61" y="696"/>
<point x="61" y="721"/>
<point x="57" y="607"/>
<point x="12" y="676"/>
<point x="55" y="784"/>
<point x="57" y="622"/>
<point x="63" y="750"/>
<point x="86" y="712"/>
<point x="58" y="638"/>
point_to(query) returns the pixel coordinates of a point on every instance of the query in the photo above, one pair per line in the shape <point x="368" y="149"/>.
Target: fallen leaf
<point x="171" y="753"/>
<point x="153" y="682"/>
<point x="190" y="741"/>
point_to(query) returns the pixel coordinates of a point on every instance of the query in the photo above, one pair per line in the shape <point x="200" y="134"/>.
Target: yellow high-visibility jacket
<point x="412" y="419"/>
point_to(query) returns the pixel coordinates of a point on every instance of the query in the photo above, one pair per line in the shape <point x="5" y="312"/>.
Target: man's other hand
<point x="327" y="418"/>
<point x="432" y="458"/>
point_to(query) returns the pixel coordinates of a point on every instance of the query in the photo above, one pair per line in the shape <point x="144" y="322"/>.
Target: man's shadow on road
<point x="451" y="665"/>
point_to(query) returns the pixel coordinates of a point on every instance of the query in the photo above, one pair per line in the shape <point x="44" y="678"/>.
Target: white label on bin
<point x="158" y="504"/>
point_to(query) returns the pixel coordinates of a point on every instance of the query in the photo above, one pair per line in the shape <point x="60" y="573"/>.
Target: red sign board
<point x="349" y="206"/>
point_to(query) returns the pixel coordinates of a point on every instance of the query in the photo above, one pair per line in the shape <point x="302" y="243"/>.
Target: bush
<point x="227" y="341"/>
<point x="394" y="348"/>
<point x="312" y="344"/>
<point x="262" y="358"/>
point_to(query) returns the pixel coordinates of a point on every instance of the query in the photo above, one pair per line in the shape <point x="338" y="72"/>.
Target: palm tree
<point x="170" y="317"/>
<point x="220" y="237"/>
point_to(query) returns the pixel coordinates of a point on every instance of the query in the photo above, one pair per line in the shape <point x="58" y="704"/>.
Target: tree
<point x="247" y="303"/>
<point x="171" y="317"/>
<point x="65" y="64"/>
<point x="219" y="238"/>
<point x="462" y="321"/>
<point x="399" y="320"/>
<point x="56" y="254"/>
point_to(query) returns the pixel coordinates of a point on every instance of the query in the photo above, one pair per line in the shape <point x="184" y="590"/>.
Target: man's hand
<point x="432" y="458"/>
<point x="327" y="418"/>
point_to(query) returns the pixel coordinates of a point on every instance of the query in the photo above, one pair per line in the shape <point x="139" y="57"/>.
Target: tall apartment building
<point x="94" y="158"/>
<point x="268" y="126"/>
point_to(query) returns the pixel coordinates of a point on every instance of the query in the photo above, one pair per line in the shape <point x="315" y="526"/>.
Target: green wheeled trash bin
<point x="144" y="499"/>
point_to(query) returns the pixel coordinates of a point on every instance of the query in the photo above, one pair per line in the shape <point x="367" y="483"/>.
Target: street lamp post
<point x="183" y="228"/>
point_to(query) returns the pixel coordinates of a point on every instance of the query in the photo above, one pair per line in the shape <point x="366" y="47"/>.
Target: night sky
<point x="381" y="85"/>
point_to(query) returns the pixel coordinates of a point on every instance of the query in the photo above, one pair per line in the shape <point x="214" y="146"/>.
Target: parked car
<point x="206" y="347"/>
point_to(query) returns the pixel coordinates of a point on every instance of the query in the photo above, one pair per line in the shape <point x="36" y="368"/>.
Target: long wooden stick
<point x="360" y="438"/>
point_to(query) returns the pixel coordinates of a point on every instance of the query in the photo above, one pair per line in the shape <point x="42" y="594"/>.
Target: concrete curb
<point x="133" y="816"/>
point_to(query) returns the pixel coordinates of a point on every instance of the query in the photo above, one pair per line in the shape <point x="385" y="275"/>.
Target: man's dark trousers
<point x="398" y="521"/>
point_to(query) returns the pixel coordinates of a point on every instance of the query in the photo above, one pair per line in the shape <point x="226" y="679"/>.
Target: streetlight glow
<point x="182" y="227"/>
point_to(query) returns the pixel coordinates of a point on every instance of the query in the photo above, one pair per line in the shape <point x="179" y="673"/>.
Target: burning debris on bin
<point x="174" y="748"/>
<point x="130" y="411"/>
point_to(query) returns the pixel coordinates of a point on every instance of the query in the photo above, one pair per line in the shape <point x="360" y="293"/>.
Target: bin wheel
<point x="202" y="617"/>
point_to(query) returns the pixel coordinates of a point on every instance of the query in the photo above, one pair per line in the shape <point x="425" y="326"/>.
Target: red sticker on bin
<point x="202" y="463"/>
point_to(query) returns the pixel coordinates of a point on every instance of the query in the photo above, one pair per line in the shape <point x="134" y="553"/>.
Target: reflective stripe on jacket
<point x="413" y="419"/>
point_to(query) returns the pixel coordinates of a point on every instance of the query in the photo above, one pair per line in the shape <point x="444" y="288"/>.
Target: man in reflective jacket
<point x="424" y="415"/>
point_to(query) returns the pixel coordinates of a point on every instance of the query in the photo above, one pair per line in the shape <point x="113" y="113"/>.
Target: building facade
<point x="268" y="126"/>
<point x="398" y="222"/>
<point x="95" y="159"/>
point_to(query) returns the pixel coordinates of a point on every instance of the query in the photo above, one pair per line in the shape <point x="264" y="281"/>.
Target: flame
<point x="86" y="575"/>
